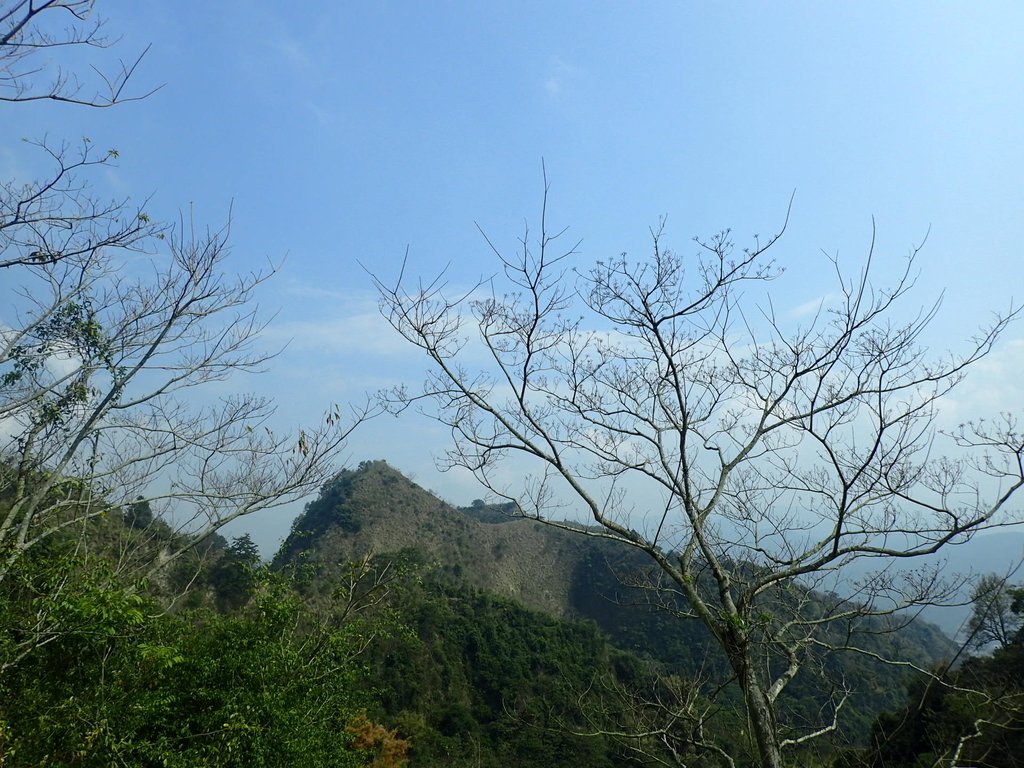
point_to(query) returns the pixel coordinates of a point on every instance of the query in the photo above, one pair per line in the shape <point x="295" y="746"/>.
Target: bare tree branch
<point x="776" y="456"/>
<point x="33" y="41"/>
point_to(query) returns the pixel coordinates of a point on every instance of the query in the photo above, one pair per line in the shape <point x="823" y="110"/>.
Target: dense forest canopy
<point x="335" y="657"/>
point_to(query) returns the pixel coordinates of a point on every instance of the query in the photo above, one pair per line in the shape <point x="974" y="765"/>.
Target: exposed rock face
<point x="375" y="509"/>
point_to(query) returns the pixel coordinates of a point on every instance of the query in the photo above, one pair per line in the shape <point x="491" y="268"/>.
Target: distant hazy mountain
<point x="1000" y="553"/>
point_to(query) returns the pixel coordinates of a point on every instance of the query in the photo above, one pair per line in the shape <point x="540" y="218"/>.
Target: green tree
<point x="274" y="684"/>
<point x="997" y="613"/>
<point x="236" y="573"/>
<point x="482" y="681"/>
<point x="970" y="716"/>
<point x="139" y="514"/>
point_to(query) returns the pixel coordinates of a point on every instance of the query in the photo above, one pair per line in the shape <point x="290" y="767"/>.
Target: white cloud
<point x="363" y="333"/>
<point x="559" y="75"/>
<point x="809" y="307"/>
<point x="316" y="292"/>
<point x="11" y="429"/>
<point x="62" y="364"/>
<point x="994" y="385"/>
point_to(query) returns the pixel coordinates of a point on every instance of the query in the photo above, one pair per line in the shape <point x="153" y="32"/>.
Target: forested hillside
<point x="375" y="510"/>
<point x="392" y="628"/>
<point x="221" y="661"/>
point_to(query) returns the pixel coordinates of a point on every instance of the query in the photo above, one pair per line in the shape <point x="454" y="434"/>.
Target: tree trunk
<point x="760" y="712"/>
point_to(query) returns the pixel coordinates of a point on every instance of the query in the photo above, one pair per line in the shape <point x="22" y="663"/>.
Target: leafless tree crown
<point x="779" y="453"/>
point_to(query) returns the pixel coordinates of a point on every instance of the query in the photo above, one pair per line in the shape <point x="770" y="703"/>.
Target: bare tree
<point x="39" y="43"/>
<point x="777" y="455"/>
<point x="109" y="400"/>
<point x="55" y="218"/>
<point x="121" y="343"/>
<point x="664" y="720"/>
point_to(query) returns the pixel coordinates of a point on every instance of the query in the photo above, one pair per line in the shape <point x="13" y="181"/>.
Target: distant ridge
<point x="374" y="509"/>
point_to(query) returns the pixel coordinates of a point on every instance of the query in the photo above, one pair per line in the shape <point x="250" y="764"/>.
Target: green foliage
<point x="490" y="513"/>
<point x="331" y="509"/>
<point x="236" y="573"/>
<point x="975" y="712"/>
<point x="126" y="683"/>
<point x="139" y="514"/>
<point x="997" y="616"/>
<point x="486" y="682"/>
<point x="258" y="667"/>
<point x="578" y="577"/>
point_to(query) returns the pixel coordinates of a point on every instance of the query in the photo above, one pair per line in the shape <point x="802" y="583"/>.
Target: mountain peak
<point x="374" y="509"/>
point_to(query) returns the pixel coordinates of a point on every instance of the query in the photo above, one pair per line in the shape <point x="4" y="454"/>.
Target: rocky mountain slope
<point x="375" y="509"/>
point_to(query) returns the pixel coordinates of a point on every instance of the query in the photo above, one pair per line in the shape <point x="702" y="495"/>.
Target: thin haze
<point x="341" y="133"/>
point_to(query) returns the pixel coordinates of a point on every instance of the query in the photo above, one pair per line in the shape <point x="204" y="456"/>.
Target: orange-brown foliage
<point x="388" y="750"/>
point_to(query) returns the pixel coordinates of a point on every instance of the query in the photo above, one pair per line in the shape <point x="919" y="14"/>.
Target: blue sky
<point x="341" y="133"/>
